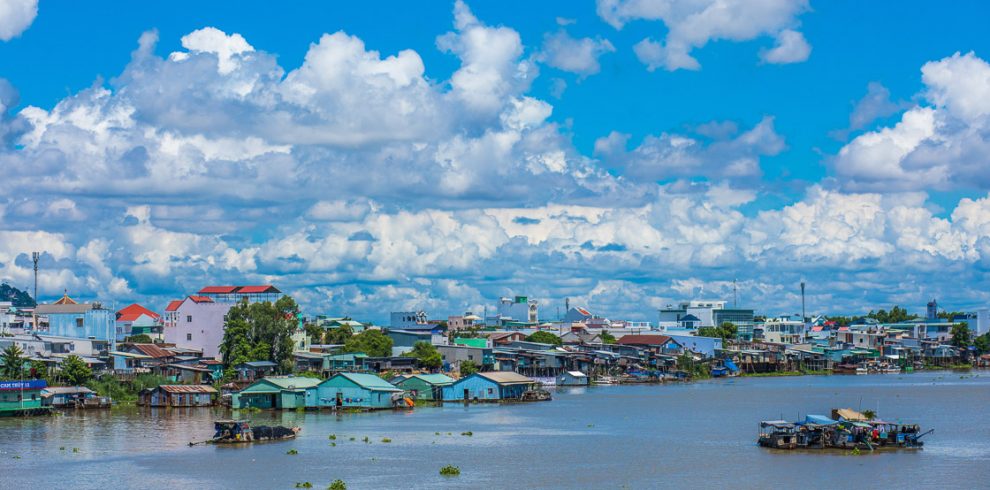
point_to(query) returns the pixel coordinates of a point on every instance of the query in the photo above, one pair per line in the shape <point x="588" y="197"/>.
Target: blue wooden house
<point x="357" y="390"/>
<point x="490" y="386"/>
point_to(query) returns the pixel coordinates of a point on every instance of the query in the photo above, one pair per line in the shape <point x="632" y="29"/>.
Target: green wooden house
<point x="357" y="390"/>
<point x="21" y="397"/>
<point x="278" y="392"/>
<point x="424" y="386"/>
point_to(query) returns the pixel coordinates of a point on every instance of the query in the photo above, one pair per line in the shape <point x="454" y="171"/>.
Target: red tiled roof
<point x="643" y="339"/>
<point x="173" y="305"/>
<point x="133" y="312"/>
<point x="217" y="290"/>
<point x="153" y="350"/>
<point x="201" y="299"/>
<point x="258" y="289"/>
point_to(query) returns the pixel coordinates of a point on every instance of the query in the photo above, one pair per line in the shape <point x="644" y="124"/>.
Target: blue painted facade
<point x="353" y="390"/>
<point x="97" y="324"/>
<point x="478" y="387"/>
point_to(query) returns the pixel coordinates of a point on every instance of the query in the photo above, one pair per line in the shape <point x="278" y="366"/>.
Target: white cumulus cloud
<point x="16" y="16"/>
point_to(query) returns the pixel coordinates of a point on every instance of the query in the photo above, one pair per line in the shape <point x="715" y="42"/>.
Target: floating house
<point x="278" y="392"/>
<point x="178" y="396"/>
<point x="573" y="378"/>
<point x="424" y="386"/>
<point x="72" y="397"/>
<point x="252" y="370"/>
<point x="345" y="390"/>
<point x="21" y="397"/>
<point x="489" y="386"/>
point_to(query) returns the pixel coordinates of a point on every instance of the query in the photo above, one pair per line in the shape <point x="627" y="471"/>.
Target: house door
<point x="340" y="399"/>
<point x="437" y="393"/>
<point x="467" y="394"/>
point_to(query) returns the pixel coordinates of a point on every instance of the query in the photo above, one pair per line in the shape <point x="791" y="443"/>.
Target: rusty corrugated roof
<point x="188" y="389"/>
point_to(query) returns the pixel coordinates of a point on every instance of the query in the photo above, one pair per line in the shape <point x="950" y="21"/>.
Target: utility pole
<point x="34" y="257"/>
<point x="735" y="304"/>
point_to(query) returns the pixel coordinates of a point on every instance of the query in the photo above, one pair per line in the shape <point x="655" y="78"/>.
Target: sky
<point x="368" y="157"/>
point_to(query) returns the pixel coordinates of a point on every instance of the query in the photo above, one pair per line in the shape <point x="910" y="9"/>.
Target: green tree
<point x="544" y="337"/>
<point x="961" y="336"/>
<point x="17" y="297"/>
<point x="371" y="342"/>
<point x="75" y="371"/>
<point x="982" y="343"/>
<point x="339" y="335"/>
<point x="39" y="370"/>
<point x="727" y="331"/>
<point x="468" y="367"/>
<point x="260" y="331"/>
<point x="139" y="339"/>
<point x="427" y="356"/>
<point x="315" y="333"/>
<point x="13" y="362"/>
<point x="607" y="338"/>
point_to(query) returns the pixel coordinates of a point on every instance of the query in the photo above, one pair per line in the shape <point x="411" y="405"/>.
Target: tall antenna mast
<point x="735" y="304"/>
<point x="803" y="315"/>
<point x="34" y="257"/>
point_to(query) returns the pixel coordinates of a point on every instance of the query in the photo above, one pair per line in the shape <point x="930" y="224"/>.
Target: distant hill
<point x="16" y="296"/>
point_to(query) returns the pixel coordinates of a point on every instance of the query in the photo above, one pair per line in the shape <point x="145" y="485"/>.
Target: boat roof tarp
<point x="819" y="419"/>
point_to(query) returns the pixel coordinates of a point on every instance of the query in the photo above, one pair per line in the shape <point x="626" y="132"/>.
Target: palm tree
<point x="13" y="362"/>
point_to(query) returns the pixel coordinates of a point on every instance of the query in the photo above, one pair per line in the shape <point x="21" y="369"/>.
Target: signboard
<point x="34" y="384"/>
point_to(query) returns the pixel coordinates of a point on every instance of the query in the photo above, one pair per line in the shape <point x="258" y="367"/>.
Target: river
<point x="698" y="435"/>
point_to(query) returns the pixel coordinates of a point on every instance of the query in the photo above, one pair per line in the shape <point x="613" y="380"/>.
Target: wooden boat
<point x="241" y="432"/>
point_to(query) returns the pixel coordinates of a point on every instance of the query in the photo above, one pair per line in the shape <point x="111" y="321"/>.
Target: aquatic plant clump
<point x="337" y="484"/>
<point x="386" y="440"/>
<point x="292" y="452"/>
<point x="450" y="470"/>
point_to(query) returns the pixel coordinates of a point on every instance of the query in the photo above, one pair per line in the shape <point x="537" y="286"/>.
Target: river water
<point x="699" y="435"/>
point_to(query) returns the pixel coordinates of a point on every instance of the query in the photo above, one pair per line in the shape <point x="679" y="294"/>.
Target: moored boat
<point x="241" y="432"/>
<point x="845" y="430"/>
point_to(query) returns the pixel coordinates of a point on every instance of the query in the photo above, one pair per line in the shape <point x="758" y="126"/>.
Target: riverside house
<point x="424" y="386"/>
<point x="178" y="396"/>
<point x="489" y="386"/>
<point x="278" y="392"/>
<point x="357" y="390"/>
<point x="21" y="397"/>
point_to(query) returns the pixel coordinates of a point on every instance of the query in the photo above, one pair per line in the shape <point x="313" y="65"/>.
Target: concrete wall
<point x="204" y="330"/>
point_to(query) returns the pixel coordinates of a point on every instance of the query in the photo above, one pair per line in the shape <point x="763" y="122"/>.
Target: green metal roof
<point x="288" y="382"/>
<point x="435" y="379"/>
<point x="370" y="381"/>
<point x="482" y="343"/>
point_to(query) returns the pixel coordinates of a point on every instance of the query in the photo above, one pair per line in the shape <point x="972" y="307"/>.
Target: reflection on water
<point x="697" y="435"/>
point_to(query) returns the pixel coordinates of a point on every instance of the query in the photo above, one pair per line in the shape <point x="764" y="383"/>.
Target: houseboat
<point x="856" y="432"/>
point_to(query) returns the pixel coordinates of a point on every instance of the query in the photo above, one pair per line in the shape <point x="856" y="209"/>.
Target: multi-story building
<point x="197" y="322"/>
<point x="708" y="314"/>
<point x="784" y="331"/>
<point x="409" y="320"/>
<point x="461" y="322"/>
<point x="137" y="320"/>
<point x="71" y="319"/>
<point x="518" y="309"/>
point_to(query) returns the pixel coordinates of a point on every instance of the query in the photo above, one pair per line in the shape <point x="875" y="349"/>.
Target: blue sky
<point x="436" y="155"/>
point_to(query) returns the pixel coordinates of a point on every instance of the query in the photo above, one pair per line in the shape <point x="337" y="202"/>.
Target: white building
<point x="518" y="309"/>
<point x="784" y="331"/>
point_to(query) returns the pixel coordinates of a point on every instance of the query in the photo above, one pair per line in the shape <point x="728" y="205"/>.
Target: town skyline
<point x="594" y="152"/>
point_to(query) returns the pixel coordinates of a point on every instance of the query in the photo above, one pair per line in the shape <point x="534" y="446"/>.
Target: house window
<point x="188" y="318"/>
<point x="79" y="322"/>
<point x="470" y="357"/>
<point x="188" y="336"/>
<point x="491" y="391"/>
